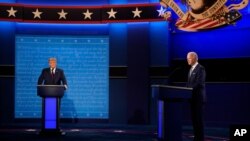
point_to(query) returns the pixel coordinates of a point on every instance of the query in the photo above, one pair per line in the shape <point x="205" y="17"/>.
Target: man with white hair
<point x="196" y="80"/>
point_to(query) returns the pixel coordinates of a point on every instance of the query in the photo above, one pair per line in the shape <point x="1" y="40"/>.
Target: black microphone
<point x="171" y="74"/>
<point x="174" y="70"/>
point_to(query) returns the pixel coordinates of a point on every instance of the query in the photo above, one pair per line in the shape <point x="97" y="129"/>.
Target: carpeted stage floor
<point x="104" y="133"/>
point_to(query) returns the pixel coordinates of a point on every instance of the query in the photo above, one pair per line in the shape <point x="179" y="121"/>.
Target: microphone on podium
<point x="172" y="73"/>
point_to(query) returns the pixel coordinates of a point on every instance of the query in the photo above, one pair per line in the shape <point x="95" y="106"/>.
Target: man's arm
<point x="64" y="80"/>
<point x="41" y="78"/>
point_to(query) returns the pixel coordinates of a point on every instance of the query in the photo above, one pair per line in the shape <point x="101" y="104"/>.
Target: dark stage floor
<point x="104" y="133"/>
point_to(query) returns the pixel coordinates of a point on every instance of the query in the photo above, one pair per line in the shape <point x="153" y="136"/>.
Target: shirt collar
<point x="194" y="65"/>
<point x="53" y="70"/>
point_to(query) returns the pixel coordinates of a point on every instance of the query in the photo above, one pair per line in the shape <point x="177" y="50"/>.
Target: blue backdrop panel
<point x="85" y="61"/>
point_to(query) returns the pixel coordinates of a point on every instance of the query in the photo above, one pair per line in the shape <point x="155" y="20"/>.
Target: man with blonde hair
<point x="52" y="75"/>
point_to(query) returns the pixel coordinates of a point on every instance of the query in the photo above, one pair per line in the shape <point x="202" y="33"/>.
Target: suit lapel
<point x="192" y="76"/>
<point x="195" y="71"/>
<point x="56" y="73"/>
<point x="49" y="73"/>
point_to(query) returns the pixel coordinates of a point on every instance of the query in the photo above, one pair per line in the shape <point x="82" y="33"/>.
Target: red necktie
<point x="52" y="72"/>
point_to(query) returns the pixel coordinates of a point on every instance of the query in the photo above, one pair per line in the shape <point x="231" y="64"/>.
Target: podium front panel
<point x="50" y="113"/>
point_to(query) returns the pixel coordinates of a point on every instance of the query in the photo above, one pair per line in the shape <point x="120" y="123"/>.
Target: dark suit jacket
<point x="47" y="79"/>
<point x="197" y="81"/>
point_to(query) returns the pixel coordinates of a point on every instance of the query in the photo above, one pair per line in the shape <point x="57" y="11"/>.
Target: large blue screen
<point x="85" y="61"/>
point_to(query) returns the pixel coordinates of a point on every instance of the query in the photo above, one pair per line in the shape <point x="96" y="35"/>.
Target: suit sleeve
<point x="64" y="80"/>
<point x="41" y="78"/>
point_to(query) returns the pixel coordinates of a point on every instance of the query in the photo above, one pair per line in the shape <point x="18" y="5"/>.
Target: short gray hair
<point x="194" y="54"/>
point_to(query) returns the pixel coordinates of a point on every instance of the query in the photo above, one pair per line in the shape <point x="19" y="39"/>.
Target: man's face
<point x="52" y="63"/>
<point x="196" y="4"/>
<point x="191" y="59"/>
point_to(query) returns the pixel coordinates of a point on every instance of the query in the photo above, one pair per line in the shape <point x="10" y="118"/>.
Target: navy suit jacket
<point x="47" y="79"/>
<point x="197" y="81"/>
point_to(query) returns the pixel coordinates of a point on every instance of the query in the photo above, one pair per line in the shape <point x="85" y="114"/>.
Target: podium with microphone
<point x="169" y="110"/>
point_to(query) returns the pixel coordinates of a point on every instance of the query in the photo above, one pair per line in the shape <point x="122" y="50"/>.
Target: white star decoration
<point x="12" y="12"/>
<point x="62" y="14"/>
<point x="37" y="14"/>
<point x="112" y="13"/>
<point x="87" y="14"/>
<point x="137" y="13"/>
<point x="161" y="11"/>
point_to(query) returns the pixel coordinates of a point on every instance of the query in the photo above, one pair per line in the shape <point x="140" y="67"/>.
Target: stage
<point x="103" y="132"/>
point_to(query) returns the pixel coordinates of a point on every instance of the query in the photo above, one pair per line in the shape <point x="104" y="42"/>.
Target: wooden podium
<point x="51" y="95"/>
<point x="169" y="110"/>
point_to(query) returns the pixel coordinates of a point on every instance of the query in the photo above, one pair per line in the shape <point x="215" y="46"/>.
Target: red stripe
<point x="61" y="7"/>
<point x="191" y="23"/>
<point x="201" y="24"/>
<point x="131" y="5"/>
<point x="214" y="24"/>
<point x="179" y="22"/>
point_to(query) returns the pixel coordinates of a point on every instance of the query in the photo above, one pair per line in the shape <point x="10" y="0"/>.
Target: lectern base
<point x="54" y="132"/>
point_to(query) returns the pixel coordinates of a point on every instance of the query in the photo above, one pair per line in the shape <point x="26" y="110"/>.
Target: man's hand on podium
<point x="65" y="87"/>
